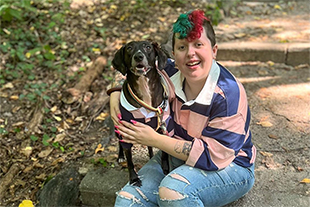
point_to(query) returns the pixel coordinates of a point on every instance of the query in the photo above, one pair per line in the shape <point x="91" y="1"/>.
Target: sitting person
<point x="211" y="153"/>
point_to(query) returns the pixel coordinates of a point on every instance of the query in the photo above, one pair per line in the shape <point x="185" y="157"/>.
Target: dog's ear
<point x="118" y="61"/>
<point x="161" y="56"/>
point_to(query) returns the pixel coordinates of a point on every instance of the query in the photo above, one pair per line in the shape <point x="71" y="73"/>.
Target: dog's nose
<point x="138" y="56"/>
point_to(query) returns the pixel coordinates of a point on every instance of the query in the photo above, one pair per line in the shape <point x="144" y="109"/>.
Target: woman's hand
<point x="114" y="106"/>
<point x="137" y="133"/>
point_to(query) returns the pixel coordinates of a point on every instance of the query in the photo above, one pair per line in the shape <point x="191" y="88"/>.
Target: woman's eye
<point x="181" y="47"/>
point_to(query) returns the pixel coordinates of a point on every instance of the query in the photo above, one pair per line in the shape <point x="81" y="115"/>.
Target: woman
<point x="211" y="153"/>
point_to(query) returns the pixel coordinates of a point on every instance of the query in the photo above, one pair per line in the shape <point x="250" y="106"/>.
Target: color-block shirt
<point x="216" y="122"/>
<point x="142" y="115"/>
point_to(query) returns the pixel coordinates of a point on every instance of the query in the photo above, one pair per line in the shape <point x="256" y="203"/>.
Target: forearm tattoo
<point x="185" y="149"/>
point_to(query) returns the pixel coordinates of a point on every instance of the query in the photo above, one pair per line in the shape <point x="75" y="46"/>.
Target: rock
<point x="62" y="190"/>
<point x="98" y="187"/>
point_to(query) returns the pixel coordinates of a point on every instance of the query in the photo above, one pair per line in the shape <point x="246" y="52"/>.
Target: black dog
<point x="143" y="88"/>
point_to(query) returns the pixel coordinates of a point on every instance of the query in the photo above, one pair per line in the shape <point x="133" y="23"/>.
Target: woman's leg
<point x="188" y="186"/>
<point x="151" y="175"/>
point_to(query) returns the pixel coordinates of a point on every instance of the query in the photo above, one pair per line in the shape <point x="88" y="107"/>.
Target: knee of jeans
<point x="126" y="195"/>
<point x="168" y="194"/>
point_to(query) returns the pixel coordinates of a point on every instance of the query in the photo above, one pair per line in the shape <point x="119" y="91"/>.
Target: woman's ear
<point x="214" y="49"/>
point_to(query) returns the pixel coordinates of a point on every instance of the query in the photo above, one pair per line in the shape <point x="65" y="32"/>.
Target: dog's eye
<point x="148" y="47"/>
<point x="129" y="49"/>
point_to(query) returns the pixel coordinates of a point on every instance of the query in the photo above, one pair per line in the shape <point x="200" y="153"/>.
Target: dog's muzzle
<point x="140" y="64"/>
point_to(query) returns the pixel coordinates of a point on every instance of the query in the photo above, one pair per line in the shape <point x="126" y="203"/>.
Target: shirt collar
<point x="206" y="94"/>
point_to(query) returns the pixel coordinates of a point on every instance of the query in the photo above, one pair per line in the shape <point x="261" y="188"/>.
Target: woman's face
<point x="194" y="59"/>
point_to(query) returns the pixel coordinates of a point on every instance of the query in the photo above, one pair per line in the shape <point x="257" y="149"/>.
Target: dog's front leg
<point x="121" y="157"/>
<point x="133" y="176"/>
<point x="151" y="154"/>
<point x="164" y="156"/>
<point x="164" y="162"/>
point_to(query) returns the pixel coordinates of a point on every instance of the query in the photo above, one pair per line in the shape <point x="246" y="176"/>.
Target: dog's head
<point x="139" y="57"/>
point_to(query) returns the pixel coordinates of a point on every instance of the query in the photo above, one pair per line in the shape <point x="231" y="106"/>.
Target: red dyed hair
<point x="196" y="17"/>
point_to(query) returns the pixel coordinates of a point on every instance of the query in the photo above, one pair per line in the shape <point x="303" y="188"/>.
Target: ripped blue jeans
<point x="186" y="186"/>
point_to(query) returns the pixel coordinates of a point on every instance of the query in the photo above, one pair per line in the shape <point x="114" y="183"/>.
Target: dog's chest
<point x="145" y="90"/>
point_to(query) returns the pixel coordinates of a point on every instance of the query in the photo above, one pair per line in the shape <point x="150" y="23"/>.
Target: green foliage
<point x="214" y="9"/>
<point x="11" y="9"/>
<point x="3" y="131"/>
<point x="30" y="37"/>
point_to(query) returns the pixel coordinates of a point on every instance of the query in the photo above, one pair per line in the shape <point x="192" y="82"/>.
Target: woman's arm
<point x="138" y="133"/>
<point x="114" y="106"/>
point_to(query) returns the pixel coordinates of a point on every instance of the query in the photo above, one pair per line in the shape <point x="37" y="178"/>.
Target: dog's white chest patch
<point x="145" y="91"/>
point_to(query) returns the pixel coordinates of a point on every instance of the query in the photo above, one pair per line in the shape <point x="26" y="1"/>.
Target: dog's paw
<point x="136" y="182"/>
<point x="121" y="160"/>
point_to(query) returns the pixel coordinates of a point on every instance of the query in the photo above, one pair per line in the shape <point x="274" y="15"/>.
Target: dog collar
<point x="159" y="110"/>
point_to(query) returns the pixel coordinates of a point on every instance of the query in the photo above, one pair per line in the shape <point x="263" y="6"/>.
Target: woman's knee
<point x="165" y="193"/>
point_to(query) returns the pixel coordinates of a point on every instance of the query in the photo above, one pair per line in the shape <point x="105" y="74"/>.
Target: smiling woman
<point x="211" y="140"/>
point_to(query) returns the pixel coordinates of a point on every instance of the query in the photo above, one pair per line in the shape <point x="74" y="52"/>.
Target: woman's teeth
<point x="193" y="63"/>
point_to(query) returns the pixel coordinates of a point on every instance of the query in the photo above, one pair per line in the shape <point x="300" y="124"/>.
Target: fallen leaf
<point x="300" y="169"/>
<point x="53" y="109"/>
<point x="277" y="7"/>
<point x="28" y="55"/>
<point x="59" y="137"/>
<point x="16" y="109"/>
<point x="38" y="165"/>
<point x="8" y="85"/>
<point x="239" y="35"/>
<point x="162" y="19"/>
<point x="27" y="151"/>
<point x="6" y="31"/>
<point x="41" y="176"/>
<point x="14" y="97"/>
<point x="270" y="63"/>
<point x="58" y="160"/>
<point x="26" y="203"/>
<point x="305" y="180"/>
<point x="270" y="163"/>
<point x="266" y="154"/>
<point x="45" y="153"/>
<point x="262" y="72"/>
<point x="87" y="97"/>
<point x="80" y="118"/>
<point x="28" y="169"/>
<point x="99" y="148"/>
<point x="102" y="116"/>
<point x="272" y="136"/>
<point x="265" y="124"/>
<point x="18" y="124"/>
<point x="57" y="118"/>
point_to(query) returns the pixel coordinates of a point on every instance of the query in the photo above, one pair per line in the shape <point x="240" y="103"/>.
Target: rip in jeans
<point x="167" y="194"/>
<point x="126" y="195"/>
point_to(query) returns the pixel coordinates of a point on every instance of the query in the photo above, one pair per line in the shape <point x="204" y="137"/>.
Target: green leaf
<point x="15" y="13"/>
<point x="3" y="131"/>
<point x="34" y="51"/>
<point x="53" y="129"/>
<point x="62" y="149"/>
<point x="44" y="140"/>
<point x="55" y="144"/>
<point x="45" y="97"/>
<point x="33" y="138"/>
<point x="51" y="24"/>
<point x="49" y="56"/>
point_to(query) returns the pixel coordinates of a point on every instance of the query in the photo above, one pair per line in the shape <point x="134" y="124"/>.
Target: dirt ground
<point x="278" y="94"/>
